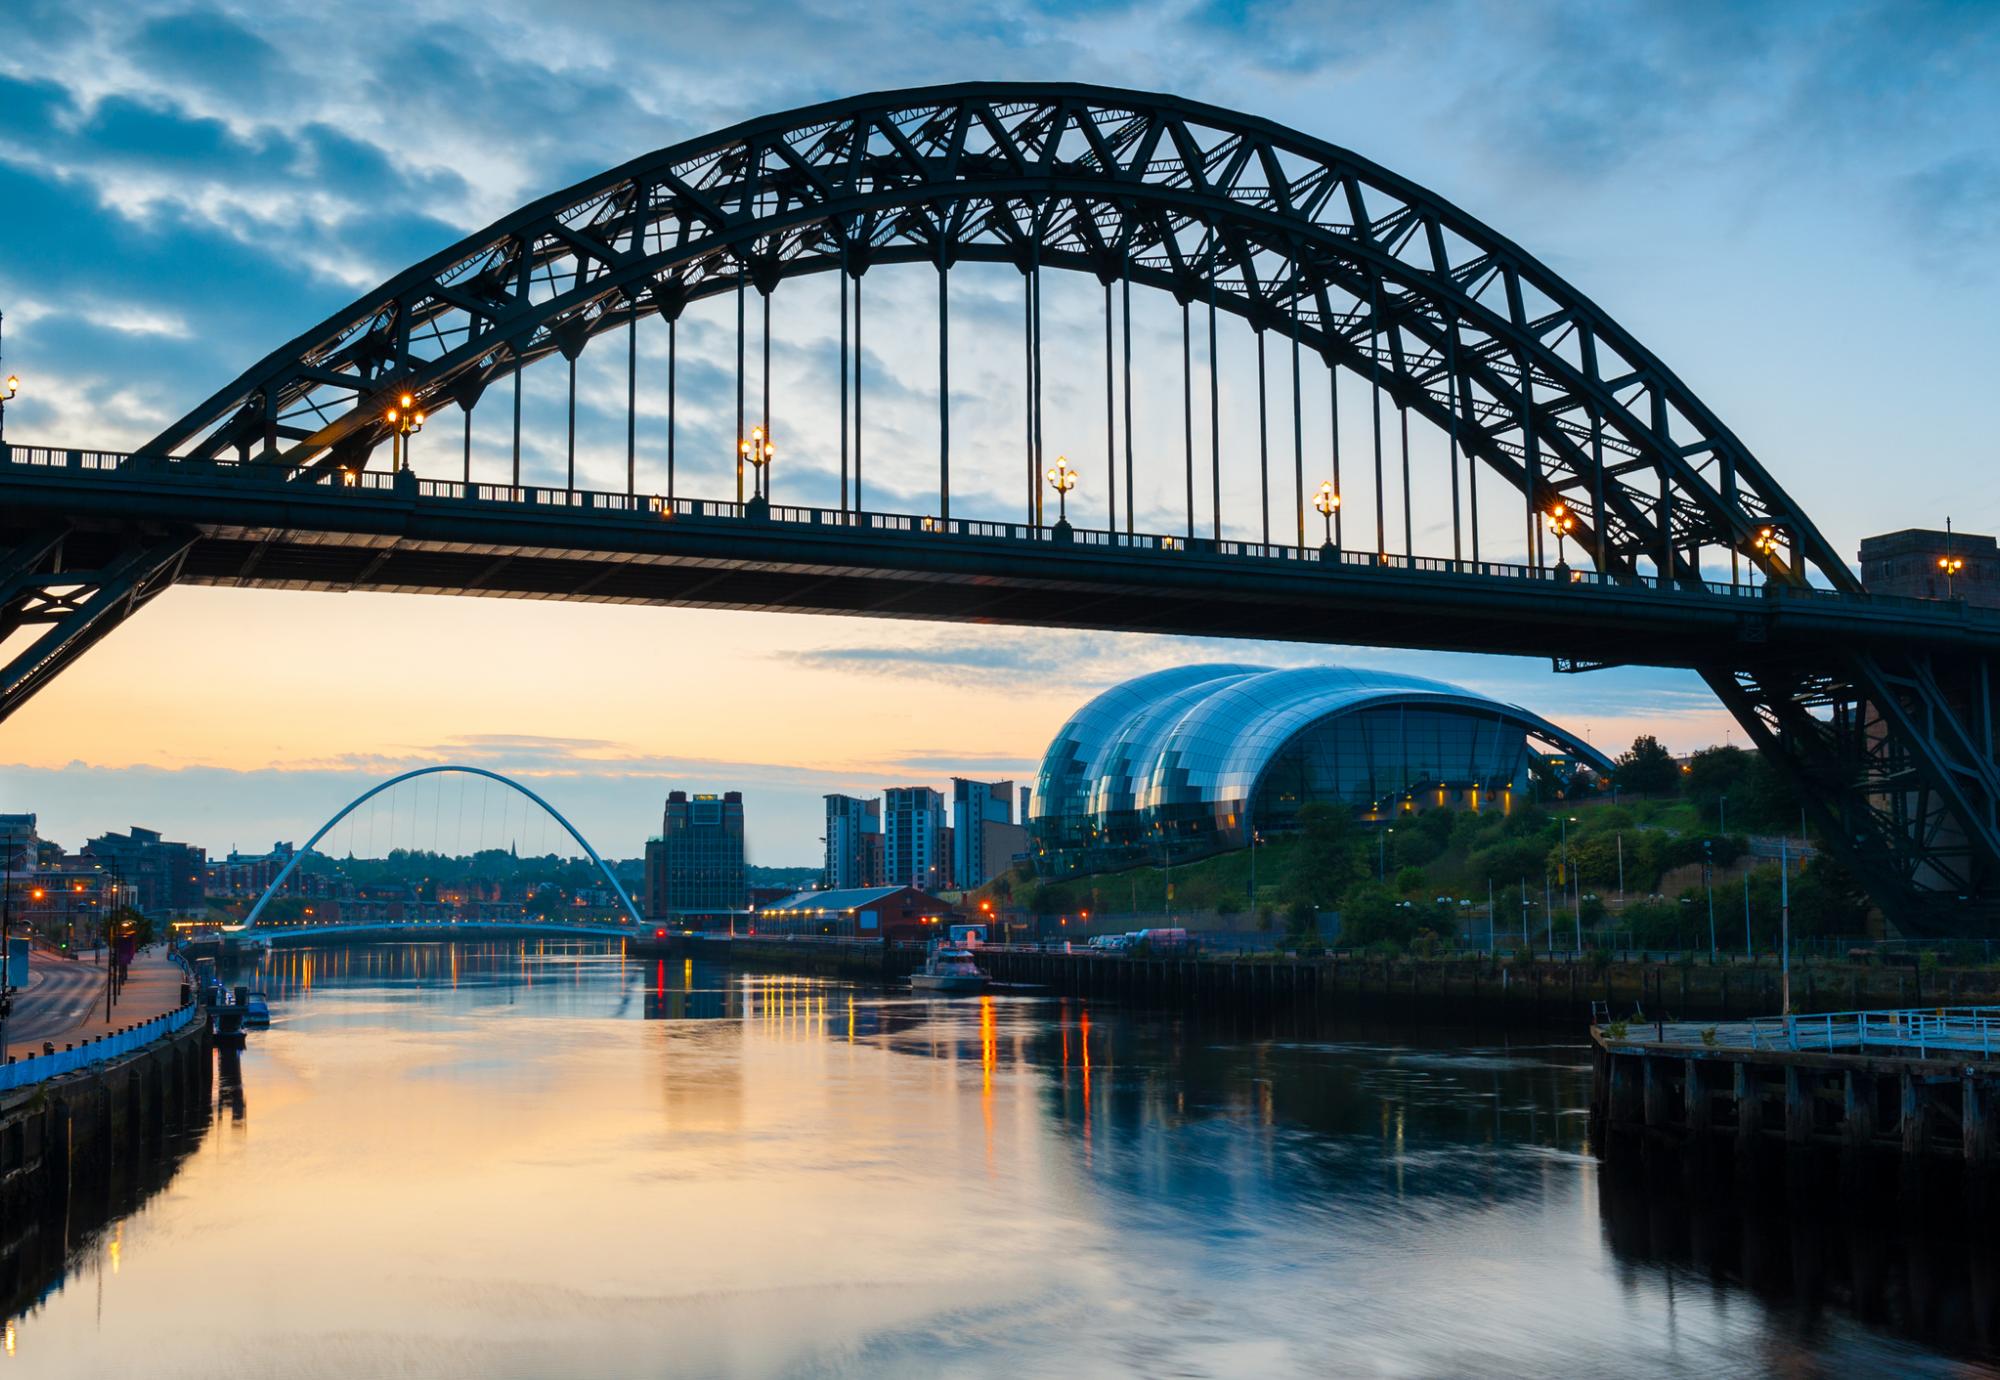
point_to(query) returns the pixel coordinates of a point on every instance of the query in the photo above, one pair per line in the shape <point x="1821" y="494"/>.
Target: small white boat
<point x="949" y="970"/>
<point x="256" y="1011"/>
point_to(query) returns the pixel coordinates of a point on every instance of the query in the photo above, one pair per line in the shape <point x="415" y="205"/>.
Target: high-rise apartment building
<point x="914" y="852"/>
<point x="850" y="823"/>
<point x="695" y="867"/>
<point x="985" y="836"/>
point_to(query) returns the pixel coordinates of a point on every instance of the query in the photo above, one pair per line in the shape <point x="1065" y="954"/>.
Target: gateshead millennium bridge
<point x="1688" y="551"/>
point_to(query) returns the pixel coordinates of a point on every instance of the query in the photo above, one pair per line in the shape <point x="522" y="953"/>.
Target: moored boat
<point x="949" y="970"/>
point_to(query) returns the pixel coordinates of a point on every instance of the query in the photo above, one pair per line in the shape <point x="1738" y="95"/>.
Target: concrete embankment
<point x="75" y="1146"/>
<point x="1450" y="990"/>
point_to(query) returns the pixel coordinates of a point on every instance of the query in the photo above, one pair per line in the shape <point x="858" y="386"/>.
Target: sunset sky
<point x="1796" y="206"/>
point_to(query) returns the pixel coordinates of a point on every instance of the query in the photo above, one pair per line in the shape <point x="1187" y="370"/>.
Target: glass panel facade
<point x="1190" y="762"/>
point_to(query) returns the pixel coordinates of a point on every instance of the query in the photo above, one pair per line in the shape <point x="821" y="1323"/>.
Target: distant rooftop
<point x="1907" y="563"/>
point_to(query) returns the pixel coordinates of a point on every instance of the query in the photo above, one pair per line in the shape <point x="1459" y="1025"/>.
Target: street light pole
<point x="8" y="388"/>
<point x="1708" y="885"/>
<point x="1062" y="479"/>
<point x="1328" y="503"/>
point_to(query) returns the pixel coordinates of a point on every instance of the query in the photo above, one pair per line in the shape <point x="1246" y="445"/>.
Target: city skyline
<point x="189" y="207"/>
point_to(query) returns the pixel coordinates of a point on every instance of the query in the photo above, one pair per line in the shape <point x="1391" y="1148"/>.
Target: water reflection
<point x="546" y="1159"/>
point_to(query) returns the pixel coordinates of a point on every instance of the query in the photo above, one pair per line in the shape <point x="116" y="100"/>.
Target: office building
<point x="695" y="868"/>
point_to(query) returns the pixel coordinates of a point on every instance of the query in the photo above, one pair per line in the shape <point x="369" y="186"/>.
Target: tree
<point x="1372" y="914"/>
<point x="1327" y="859"/>
<point x="1826" y="900"/>
<point x="1713" y="773"/>
<point x="1647" y="768"/>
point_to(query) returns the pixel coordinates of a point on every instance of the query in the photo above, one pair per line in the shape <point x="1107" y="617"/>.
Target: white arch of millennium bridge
<point x="373" y="791"/>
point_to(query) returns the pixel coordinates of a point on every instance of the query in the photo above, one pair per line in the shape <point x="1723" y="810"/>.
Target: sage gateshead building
<point x="1190" y="760"/>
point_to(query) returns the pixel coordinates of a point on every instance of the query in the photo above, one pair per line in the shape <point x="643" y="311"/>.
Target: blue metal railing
<point x="1948" y="1031"/>
<point x="39" y="1068"/>
<point x="1930" y="1032"/>
<point x="668" y="509"/>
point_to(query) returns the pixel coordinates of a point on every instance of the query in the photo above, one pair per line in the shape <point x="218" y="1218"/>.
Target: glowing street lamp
<point x="405" y="419"/>
<point x="1950" y="565"/>
<point x="1062" y="479"/>
<point x="757" y="451"/>
<point x="1562" y="522"/>
<point x="1769" y="543"/>
<point x="1328" y="503"/>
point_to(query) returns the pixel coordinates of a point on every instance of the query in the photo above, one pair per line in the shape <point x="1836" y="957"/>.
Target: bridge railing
<point x="656" y="506"/>
<point x="39" y="1068"/>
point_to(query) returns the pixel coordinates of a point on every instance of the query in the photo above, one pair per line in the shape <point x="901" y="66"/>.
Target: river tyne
<point x="551" y="1160"/>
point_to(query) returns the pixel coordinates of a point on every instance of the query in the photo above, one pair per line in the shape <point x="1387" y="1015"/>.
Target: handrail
<point x="407" y="485"/>
<point x="33" y="1068"/>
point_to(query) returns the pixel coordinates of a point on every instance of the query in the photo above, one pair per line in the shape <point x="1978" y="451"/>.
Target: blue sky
<point x="1795" y="205"/>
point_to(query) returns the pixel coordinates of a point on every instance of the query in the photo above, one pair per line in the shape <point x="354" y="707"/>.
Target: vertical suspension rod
<point x="1028" y="391"/>
<point x="1214" y="420"/>
<point x="1409" y="531"/>
<point x="1263" y="442"/>
<point x="517" y="423"/>
<point x="764" y="470"/>
<point x="1035" y="475"/>
<point x="571" y="481"/>
<point x="1125" y="318"/>
<point x="843" y="379"/>
<point x="673" y="333"/>
<point x="1110" y="416"/>
<point x="740" y="278"/>
<point x="1298" y="433"/>
<point x="1375" y="400"/>
<point x="859" y="356"/>
<point x="1451" y="375"/>
<point x="1333" y="411"/>
<point x="1187" y="408"/>
<point x="631" y="404"/>
<point x="944" y="392"/>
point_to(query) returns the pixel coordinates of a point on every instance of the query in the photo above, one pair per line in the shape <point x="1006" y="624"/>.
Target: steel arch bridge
<point x="257" y="911"/>
<point x="1882" y="711"/>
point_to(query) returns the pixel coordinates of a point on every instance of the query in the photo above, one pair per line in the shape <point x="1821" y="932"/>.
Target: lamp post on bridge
<point x="758" y="452"/>
<point x="406" y="420"/>
<point x="1767" y="543"/>
<point x="1562" y="522"/>
<point x="1328" y="503"/>
<point x="1062" y="479"/>
<point x="1948" y="563"/>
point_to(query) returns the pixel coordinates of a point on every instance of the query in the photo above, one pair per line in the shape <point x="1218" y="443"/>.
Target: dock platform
<point x="1918" y="1082"/>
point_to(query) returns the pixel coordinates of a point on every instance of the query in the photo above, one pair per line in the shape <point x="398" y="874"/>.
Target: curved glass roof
<point x="1218" y="748"/>
<point x="1203" y="734"/>
<point x="1076" y="754"/>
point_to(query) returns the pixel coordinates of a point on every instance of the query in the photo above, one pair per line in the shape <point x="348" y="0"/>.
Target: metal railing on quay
<point x="1946" y="1030"/>
<point x="653" y="505"/>
<point x="39" y="1068"/>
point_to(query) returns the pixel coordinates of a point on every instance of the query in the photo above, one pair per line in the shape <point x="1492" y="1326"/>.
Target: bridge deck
<point x="267" y="527"/>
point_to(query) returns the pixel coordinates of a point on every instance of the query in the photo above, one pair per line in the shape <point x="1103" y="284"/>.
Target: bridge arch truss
<point x="278" y="882"/>
<point x="1300" y="238"/>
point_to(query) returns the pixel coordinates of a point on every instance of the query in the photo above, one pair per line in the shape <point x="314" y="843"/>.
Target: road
<point x="64" y="1000"/>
